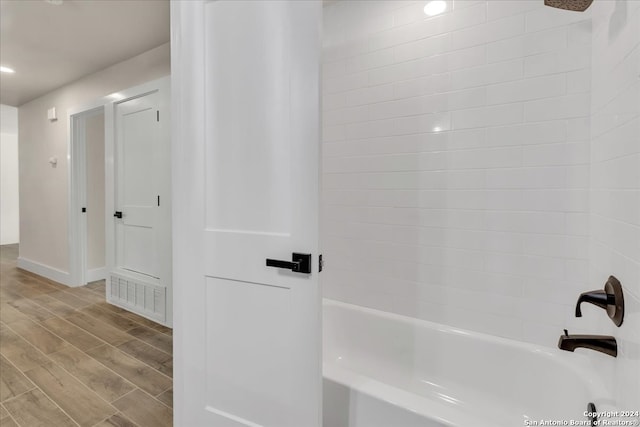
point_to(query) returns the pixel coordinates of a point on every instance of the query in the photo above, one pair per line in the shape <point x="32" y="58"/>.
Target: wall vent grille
<point x="146" y="299"/>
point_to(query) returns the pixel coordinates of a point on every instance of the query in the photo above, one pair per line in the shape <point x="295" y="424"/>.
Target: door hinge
<point x="320" y="263"/>
<point x="84" y="209"/>
<point x="158" y="115"/>
<point x="158" y="200"/>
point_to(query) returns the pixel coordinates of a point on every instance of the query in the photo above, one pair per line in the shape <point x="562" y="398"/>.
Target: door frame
<point x="77" y="181"/>
<point x="187" y="179"/>
<point x="161" y="85"/>
<point x="77" y="187"/>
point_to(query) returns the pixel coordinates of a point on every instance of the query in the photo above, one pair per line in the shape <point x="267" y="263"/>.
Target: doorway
<point x="128" y="194"/>
<point x="87" y="198"/>
<point x="139" y="224"/>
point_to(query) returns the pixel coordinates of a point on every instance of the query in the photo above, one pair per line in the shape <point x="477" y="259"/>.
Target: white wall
<point x="43" y="189"/>
<point x="615" y="179"/>
<point x="456" y="162"/>
<point x="9" y="204"/>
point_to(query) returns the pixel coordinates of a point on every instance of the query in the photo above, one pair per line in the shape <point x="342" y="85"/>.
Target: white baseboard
<point x="96" y="274"/>
<point x="44" y="271"/>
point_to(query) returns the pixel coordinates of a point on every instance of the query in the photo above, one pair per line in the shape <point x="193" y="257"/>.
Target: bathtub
<point x="386" y="370"/>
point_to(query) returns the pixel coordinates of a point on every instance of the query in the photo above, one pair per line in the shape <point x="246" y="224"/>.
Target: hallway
<point x="68" y="358"/>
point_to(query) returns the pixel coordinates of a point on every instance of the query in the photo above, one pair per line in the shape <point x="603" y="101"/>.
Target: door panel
<point x="248" y="102"/>
<point x="138" y="216"/>
<point x="247" y="176"/>
<point x="137" y="181"/>
<point x="138" y="119"/>
<point x="136" y="245"/>
<point x="262" y="337"/>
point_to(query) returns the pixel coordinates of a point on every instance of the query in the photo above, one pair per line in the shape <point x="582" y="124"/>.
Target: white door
<point x="137" y="181"/>
<point x="245" y="79"/>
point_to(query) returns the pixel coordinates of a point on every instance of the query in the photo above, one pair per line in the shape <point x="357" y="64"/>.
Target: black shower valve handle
<point x="597" y="297"/>
<point x="609" y="299"/>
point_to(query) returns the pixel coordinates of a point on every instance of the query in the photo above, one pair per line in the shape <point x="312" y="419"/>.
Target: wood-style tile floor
<point x="68" y="358"/>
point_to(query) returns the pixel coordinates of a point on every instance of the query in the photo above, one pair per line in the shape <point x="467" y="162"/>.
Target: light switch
<point x="51" y="114"/>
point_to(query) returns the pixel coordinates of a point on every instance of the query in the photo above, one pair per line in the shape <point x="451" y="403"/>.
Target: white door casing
<point x="246" y="114"/>
<point x="77" y="179"/>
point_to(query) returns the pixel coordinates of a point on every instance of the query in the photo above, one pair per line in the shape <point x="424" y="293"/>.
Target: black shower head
<point x="575" y="5"/>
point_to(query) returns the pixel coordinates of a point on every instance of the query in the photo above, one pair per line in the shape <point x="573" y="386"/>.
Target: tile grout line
<point x="35" y="386"/>
<point x="156" y="399"/>
<point x="163" y="392"/>
<point x="132" y="338"/>
<point x="86" y="385"/>
<point x="72" y="376"/>
<point x="135" y="358"/>
<point x="102" y="342"/>
<point x="9" y="414"/>
<point x="108" y="368"/>
<point x="102" y="321"/>
<point x="119" y="412"/>
<point x="84" y="352"/>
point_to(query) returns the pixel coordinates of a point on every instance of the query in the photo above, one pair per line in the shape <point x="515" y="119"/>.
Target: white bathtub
<point x="386" y="370"/>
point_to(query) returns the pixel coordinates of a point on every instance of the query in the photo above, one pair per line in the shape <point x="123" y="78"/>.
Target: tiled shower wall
<point x="456" y="156"/>
<point x="615" y="177"/>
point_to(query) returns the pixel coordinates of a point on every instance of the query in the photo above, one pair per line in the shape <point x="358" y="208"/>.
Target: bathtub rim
<point x="579" y="364"/>
<point x="576" y="362"/>
<point x="395" y="396"/>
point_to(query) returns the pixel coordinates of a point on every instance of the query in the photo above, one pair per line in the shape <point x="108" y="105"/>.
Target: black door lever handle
<point x="118" y="214"/>
<point x="300" y="263"/>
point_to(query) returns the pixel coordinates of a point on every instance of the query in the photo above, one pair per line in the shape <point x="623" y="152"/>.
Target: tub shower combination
<point x="381" y="370"/>
<point x="388" y="370"/>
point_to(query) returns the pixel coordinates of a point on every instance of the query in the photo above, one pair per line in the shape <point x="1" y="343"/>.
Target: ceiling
<point x="51" y="45"/>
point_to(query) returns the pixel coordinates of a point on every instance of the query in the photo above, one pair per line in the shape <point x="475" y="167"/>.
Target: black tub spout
<point x="602" y="343"/>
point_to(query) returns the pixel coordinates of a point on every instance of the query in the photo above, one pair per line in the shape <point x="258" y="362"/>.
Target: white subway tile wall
<point x="482" y="167"/>
<point x="456" y="162"/>
<point x="456" y="153"/>
<point x="615" y="177"/>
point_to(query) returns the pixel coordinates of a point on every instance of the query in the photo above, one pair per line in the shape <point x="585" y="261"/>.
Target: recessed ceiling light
<point x="435" y="7"/>
<point x="54" y="2"/>
<point x="7" y="70"/>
